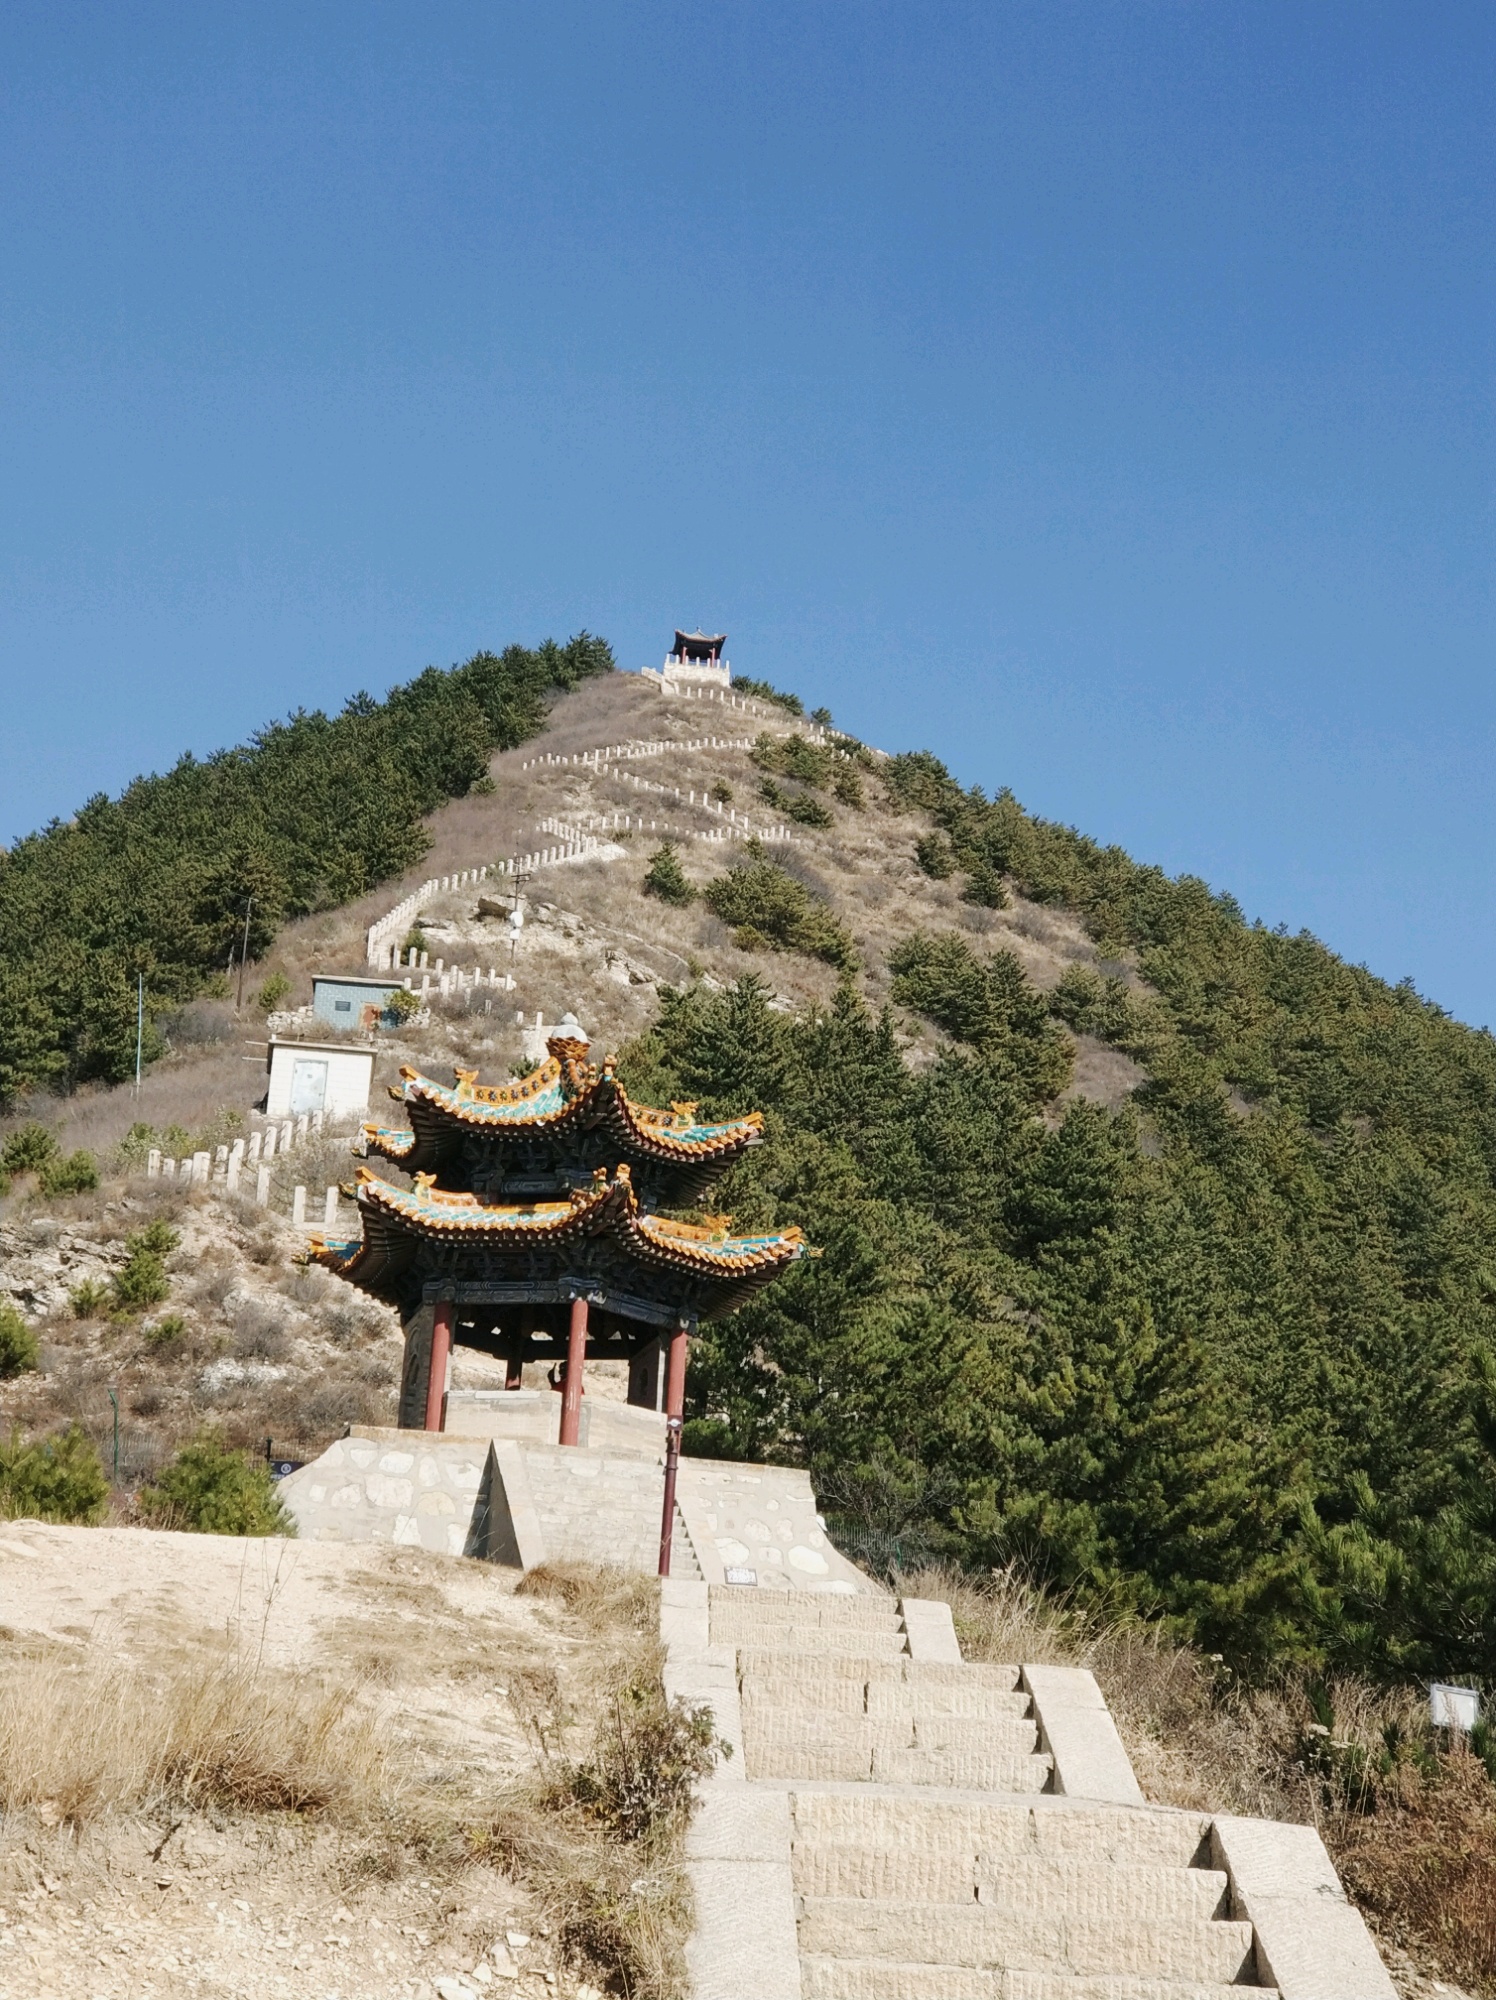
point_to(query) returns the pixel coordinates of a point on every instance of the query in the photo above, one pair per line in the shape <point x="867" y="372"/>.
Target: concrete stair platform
<point x="504" y="1491"/>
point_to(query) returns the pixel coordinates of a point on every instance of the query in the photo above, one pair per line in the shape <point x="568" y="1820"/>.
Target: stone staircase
<point x="604" y="1509"/>
<point x="903" y="1826"/>
<point x="829" y="1691"/>
<point x="899" y="1900"/>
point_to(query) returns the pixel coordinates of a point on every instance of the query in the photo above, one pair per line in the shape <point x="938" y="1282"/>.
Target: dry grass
<point x="617" y="1894"/>
<point x="1408" y="1815"/>
<point x="88" y="1741"/>
<point x="622" y="1907"/>
<point x="83" y="1737"/>
<point x="1426" y="1871"/>
<point x="607" y="1601"/>
<point x="618" y="1905"/>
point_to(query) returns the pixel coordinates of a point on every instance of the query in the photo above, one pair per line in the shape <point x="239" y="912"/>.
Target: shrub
<point x="798" y="806"/>
<point x="848" y="788"/>
<point x="806" y="811"/>
<point x="56" y="1479"/>
<point x="640" y="1782"/>
<point x="164" y="1332"/>
<point x="666" y="879"/>
<point x="722" y="792"/>
<point x="93" y="1735"/>
<point x="984" y="887"/>
<point x="758" y="898"/>
<point x="76" y="1174"/>
<point x="158" y="1237"/>
<point x="213" y="1491"/>
<point x="28" y="1149"/>
<point x="260" y="1332"/>
<point x="88" y="1298"/>
<point x="793" y="757"/>
<point x="402" y="1005"/>
<point x="765" y="692"/>
<point x="200" y="1024"/>
<point x="274" y="993"/>
<point x="143" y="1281"/>
<point x="19" y="1351"/>
<point x="130" y="1153"/>
<point x="934" y="856"/>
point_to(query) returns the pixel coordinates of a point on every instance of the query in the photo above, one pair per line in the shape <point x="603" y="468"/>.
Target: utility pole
<point x="139" y="1026"/>
<point x="243" y="955"/>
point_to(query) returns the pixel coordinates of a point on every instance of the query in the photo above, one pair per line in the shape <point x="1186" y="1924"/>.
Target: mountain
<point x="1158" y="1248"/>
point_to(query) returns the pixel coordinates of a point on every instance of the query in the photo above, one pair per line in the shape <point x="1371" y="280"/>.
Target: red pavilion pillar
<point x="576" y="1357"/>
<point x="675" y="1403"/>
<point x="436" y="1380"/>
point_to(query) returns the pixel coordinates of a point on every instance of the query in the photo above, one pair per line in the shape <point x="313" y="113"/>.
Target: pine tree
<point x="666" y="879"/>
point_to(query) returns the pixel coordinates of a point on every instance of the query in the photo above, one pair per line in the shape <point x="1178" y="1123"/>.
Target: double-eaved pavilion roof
<point x="600" y="1235"/>
<point x="566" y="1100"/>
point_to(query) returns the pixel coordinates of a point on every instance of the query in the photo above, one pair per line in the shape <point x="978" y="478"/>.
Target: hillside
<point x="1158" y="1247"/>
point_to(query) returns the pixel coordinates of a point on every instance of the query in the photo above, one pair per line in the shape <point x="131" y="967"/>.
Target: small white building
<point x="331" y="1077"/>
<point x="695" y="661"/>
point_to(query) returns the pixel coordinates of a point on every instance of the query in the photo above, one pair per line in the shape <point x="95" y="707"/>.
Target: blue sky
<point x="1099" y="395"/>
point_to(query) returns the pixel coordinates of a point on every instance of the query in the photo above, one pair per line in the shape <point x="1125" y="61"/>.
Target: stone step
<point x="966" y="1673"/>
<point x="1012" y="1885"/>
<point x="885" y="1979"/>
<point x="816" y="1641"/>
<point x="1083" y="1941"/>
<point x="769" y="1723"/>
<point x="884" y="1700"/>
<point x="782" y="1755"/>
<point x="964" y="1770"/>
<point x="921" y="1698"/>
<point x="802" y="1665"/>
<point x="684" y="1568"/>
<point x="902" y="1825"/>
<point x="841" y="1610"/>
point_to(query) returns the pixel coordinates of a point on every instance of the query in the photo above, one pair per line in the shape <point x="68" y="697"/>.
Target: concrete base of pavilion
<point x="496" y="1486"/>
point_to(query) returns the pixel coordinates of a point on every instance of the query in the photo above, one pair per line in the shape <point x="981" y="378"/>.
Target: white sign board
<point x="1453" y="1708"/>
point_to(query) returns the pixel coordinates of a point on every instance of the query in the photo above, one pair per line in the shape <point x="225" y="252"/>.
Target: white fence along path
<point x="385" y="939"/>
<point x="228" y="1167"/>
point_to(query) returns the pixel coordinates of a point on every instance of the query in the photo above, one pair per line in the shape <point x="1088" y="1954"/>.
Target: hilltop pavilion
<point x="533" y="1232"/>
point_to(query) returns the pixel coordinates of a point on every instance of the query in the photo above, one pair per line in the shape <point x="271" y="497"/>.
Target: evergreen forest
<point x="312" y="813"/>
<point x="1223" y="1357"/>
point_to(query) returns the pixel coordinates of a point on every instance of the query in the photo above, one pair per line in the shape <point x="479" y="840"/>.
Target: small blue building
<point x="352" y="1002"/>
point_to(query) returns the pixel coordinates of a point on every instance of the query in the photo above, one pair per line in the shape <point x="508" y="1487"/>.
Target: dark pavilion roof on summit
<point x="698" y="645"/>
<point x="566" y="1093"/>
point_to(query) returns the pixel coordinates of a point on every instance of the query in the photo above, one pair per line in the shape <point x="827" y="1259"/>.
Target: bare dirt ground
<point x="452" y="1670"/>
